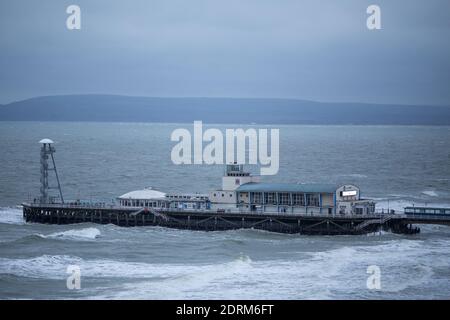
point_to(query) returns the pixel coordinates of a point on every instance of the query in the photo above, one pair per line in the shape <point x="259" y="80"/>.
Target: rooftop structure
<point x="147" y="197"/>
<point x="144" y="194"/>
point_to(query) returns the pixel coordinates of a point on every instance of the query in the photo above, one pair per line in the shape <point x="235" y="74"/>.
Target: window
<point x="270" y="198"/>
<point x="298" y="199"/>
<point x="312" y="200"/>
<point x="257" y="197"/>
<point x="284" y="198"/>
<point x="359" y="210"/>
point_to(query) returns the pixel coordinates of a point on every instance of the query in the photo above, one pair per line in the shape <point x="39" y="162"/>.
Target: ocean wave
<point x="394" y="204"/>
<point x="339" y="272"/>
<point x="10" y="215"/>
<point x="430" y="193"/>
<point x="380" y="233"/>
<point x="399" y="204"/>
<point x="55" y="266"/>
<point x="353" y="175"/>
<point x="74" y="234"/>
<point x="348" y="270"/>
<point x="45" y="266"/>
<point x="322" y="275"/>
<point x="86" y="234"/>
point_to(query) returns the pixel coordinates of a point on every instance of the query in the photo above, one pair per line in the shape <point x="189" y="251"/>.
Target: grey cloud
<point x="319" y="50"/>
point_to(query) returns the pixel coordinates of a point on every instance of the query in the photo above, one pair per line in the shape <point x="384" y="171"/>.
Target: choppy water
<point x="396" y="165"/>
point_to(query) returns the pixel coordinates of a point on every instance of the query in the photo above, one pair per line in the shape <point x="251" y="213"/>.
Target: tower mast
<point x="47" y="151"/>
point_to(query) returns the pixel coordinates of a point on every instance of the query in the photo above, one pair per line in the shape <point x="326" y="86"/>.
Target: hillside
<point x="217" y="110"/>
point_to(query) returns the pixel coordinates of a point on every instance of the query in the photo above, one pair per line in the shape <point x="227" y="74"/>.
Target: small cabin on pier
<point x="150" y="198"/>
<point x="147" y="197"/>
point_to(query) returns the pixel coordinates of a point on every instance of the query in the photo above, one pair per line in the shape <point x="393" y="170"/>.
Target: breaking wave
<point x="74" y="234"/>
<point x="11" y="216"/>
<point x="430" y="193"/>
<point x="312" y="277"/>
<point x="353" y="175"/>
<point x="54" y="267"/>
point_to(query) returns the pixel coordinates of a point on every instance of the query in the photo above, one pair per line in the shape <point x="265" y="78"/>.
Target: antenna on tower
<point x="47" y="150"/>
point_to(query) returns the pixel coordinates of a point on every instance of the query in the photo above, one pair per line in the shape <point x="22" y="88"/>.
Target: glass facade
<point x="285" y="198"/>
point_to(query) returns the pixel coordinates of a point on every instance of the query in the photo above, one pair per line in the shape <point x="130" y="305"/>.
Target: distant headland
<point x="116" y="108"/>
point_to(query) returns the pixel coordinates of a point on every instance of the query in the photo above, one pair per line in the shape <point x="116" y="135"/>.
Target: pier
<point x="208" y="220"/>
<point x="242" y="203"/>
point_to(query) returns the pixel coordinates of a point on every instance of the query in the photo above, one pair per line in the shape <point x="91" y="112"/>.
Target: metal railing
<point x="427" y="217"/>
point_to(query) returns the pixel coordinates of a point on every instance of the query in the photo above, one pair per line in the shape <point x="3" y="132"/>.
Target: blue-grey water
<point x="396" y="165"/>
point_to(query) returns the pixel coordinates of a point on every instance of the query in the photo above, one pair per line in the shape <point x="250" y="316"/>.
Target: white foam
<point x="11" y="216"/>
<point x="430" y="193"/>
<point x="334" y="273"/>
<point x="354" y="175"/>
<point x="379" y="233"/>
<point x="322" y="276"/>
<point x="54" y="267"/>
<point x="46" y="266"/>
<point x="397" y="205"/>
<point x="75" y="234"/>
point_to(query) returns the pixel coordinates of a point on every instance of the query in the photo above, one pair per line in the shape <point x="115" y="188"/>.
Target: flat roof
<point x="287" y="187"/>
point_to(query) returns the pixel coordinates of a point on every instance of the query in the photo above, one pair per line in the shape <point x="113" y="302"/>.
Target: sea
<point x="397" y="166"/>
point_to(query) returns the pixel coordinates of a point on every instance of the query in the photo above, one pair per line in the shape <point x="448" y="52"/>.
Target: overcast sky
<point x="317" y="50"/>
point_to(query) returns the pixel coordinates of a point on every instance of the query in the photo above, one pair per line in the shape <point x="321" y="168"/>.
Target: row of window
<point x="186" y="197"/>
<point x="138" y="203"/>
<point x="284" y="198"/>
<point x="223" y="195"/>
<point x="427" y="211"/>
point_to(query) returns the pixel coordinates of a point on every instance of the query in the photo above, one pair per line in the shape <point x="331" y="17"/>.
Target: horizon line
<point x="222" y="97"/>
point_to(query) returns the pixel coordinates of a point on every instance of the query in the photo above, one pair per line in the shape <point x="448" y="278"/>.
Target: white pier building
<point x="243" y="192"/>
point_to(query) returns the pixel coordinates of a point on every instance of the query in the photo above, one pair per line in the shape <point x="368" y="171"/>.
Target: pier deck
<point x="209" y="220"/>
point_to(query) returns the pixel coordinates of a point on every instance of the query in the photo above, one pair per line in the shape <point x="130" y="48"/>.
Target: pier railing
<point x="111" y="206"/>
